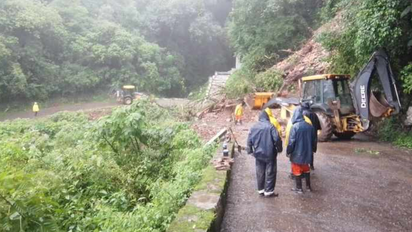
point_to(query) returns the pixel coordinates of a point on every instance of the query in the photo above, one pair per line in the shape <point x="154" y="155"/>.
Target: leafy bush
<point x="392" y="131"/>
<point x="238" y="85"/>
<point x="367" y="26"/>
<point x="406" y="76"/>
<point x="130" y="171"/>
<point x="329" y="10"/>
<point x="270" y="80"/>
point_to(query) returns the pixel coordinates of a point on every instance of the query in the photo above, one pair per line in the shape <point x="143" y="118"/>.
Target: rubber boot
<point x="312" y="167"/>
<point x="298" y="188"/>
<point x="307" y="177"/>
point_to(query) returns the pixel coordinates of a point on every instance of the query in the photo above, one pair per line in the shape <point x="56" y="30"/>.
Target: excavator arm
<point x="366" y="103"/>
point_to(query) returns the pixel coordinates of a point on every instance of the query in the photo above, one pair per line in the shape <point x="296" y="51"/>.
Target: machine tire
<point x="345" y="135"/>
<point x="327" y="127"/>
<point x="128" y="100"/>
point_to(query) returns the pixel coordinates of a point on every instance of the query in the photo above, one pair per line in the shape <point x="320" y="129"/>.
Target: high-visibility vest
<point x="36" y="108"/>
<point x="274" y="121"/>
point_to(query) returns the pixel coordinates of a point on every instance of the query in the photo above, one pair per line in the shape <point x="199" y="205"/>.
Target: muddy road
<point x="358" y="185"/>
<point x="44" y="112"/>
<point x="89" y="106"/>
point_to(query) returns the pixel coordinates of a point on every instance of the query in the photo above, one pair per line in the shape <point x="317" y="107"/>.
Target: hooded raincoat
<point x="311" y="115"/>
<point x="302" y="140"/>
<point x="36" y="108"/>
<point x="239" y="110"/>
<point x="273" y="120"/>
<point x="264" y="141"/>
<point x="290" y="124"/>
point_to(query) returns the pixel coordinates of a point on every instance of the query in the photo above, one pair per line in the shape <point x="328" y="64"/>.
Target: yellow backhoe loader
<point x="127" y="94"/>
<point x="344" y="108"/>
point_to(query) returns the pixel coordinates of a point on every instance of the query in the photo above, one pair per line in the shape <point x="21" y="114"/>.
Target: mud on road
<point x="359" y="185"/>
<point x="88" y="106"/>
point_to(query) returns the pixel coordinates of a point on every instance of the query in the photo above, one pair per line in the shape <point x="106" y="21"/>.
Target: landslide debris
<point x="311" y="59"/>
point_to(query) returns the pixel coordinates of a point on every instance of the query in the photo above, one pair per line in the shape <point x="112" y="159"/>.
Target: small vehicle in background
<point x="127" y="94"/>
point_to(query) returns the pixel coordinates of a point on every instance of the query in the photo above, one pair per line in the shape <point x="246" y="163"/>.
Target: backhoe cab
<point x="127" y="94"/>
<point x="331" y="100"/>
<point x="344" y="108"/>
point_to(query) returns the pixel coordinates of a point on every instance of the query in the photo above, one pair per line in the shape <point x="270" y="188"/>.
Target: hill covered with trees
<point x="59" y="48"/>
<point x="268" y="31"/>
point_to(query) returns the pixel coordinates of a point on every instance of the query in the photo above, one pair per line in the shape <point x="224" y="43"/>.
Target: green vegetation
<point x="204" y="218"/>
<point x="130" y="171"/>
<point x="367" y="151"/>
<point x="367" y="26"/>
<point x="193" y="217"/>
<point x="391" y="130"/>
<point x="238" y="85"/>
<point x="61" y="48"/>
<point x="260" y="31"/>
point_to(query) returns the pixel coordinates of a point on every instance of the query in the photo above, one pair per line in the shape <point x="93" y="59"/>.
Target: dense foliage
<point x="59" y="47"/>
<point x="261" y="29"/>
<point x="366" y="26"/>
<point x="262" y="32"/>
<point x="130" y="171"/>
<point x="393" y="131"/>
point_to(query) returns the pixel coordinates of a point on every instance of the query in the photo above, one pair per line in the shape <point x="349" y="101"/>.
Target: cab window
<point x="312" y="91"/>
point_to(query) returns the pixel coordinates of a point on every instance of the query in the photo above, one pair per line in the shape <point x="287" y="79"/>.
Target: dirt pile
<point x="311" y="59"/>
<point x="211" y="122"/>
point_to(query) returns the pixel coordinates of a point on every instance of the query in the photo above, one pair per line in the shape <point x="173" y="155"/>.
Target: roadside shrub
<point x="406" y="76"/>
<point x="270" y="80"/>
<point x="365" y="27"/>
<point x="238" y="85"/>
<point x="391" y="130"/>
<point x="130" y="171"/>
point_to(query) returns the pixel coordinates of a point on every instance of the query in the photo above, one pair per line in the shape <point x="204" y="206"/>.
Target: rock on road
<point x="358" y="186"/>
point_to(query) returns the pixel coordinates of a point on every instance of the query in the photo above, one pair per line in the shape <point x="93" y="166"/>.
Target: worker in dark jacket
<point x="307" y="111"/>
<point x="264" y="143"/>
<point x="302" y="145"/>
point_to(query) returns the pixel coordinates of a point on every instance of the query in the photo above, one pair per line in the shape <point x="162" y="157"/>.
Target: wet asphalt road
<point x="358" y="186"/>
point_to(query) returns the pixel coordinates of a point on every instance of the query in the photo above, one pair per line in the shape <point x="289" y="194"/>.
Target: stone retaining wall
<point x="205" y="208"/>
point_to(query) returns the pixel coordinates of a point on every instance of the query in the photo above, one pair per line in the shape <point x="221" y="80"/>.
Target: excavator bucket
<point x="365" y="103"/>
<point x="379" y="106"/>
<point x="260" y="99"/>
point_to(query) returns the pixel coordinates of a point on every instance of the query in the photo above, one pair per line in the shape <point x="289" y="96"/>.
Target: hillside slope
<point x="311" y="59"/>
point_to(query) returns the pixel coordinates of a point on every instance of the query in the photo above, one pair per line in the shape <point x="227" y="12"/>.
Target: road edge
<point x="205" y="208"/>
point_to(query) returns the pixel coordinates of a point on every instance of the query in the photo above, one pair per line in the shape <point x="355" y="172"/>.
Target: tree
<point x="260" y="30"/>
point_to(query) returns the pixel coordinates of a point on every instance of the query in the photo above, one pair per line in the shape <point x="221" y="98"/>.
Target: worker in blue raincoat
<point x="302" y="144"/>
<point x="264" y="143"/>
<point x="307" y="112"/>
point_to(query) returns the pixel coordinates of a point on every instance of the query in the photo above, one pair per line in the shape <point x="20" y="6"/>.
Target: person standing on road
<point x="307" y="112"/>
<point x="239" y="112"/>
<point x="302" y="144"/>
<point x="36" y="109"/>
<point x="289" y="128"/>
<point x="264" y="143"/>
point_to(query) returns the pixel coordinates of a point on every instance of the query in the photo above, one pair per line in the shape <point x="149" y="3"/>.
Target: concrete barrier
<point x="205" y="208"/>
